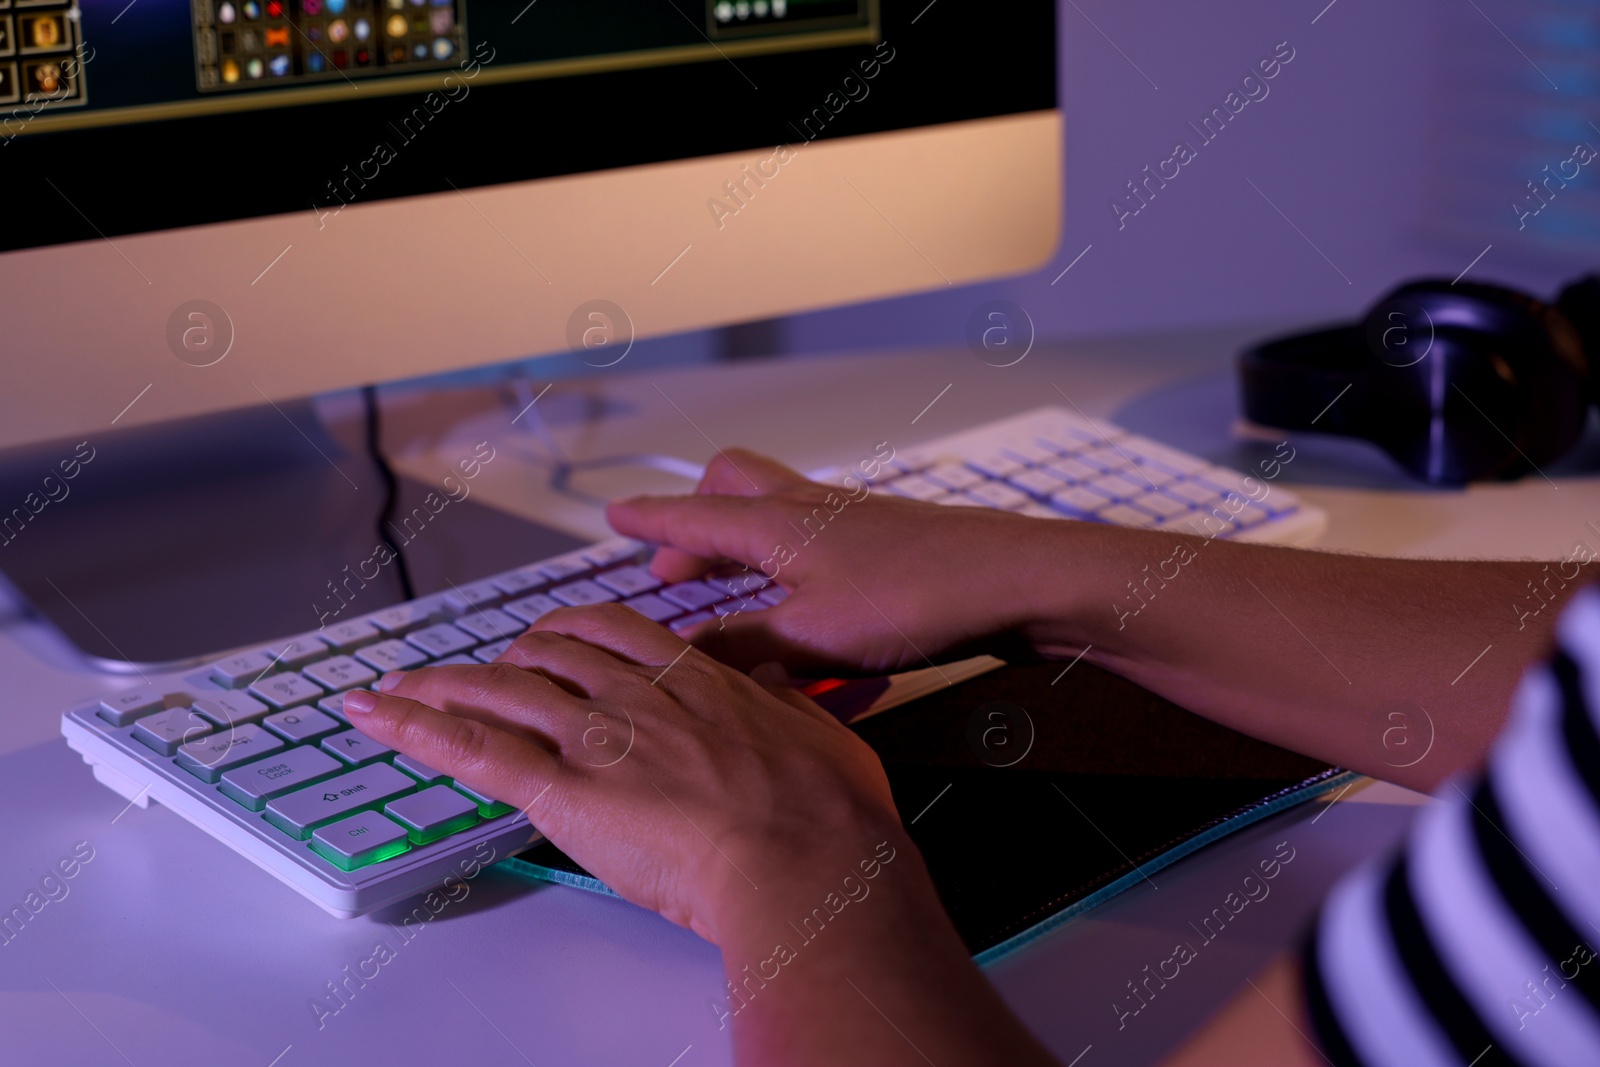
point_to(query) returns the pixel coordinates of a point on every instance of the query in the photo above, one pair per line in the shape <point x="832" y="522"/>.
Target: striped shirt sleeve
<point x="1475" y="946"/>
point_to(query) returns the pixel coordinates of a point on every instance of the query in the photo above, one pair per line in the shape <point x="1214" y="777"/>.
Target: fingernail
<point x="360" y="700"/>
<point x="390" y="680"/>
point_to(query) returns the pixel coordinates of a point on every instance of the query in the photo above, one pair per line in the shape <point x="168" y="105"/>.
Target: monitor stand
<point x="180" y="541"/>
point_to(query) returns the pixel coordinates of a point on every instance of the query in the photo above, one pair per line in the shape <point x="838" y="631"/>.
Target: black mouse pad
<point x="1033" y="802"/>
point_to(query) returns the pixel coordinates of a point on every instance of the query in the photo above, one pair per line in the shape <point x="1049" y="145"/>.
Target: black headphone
<point x="1458" y="382"/>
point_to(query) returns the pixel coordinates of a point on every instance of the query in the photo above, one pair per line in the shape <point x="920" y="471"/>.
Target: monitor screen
<point x="120" y="118"/>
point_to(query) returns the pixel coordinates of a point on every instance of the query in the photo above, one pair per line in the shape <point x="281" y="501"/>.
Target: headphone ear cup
<point x="1580" y="303"/>
<point x="1481" y="382"/>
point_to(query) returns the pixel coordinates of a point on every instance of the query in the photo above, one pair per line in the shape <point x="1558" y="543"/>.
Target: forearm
<point x="1366" y="662"/>
<point x="866" y="972"/>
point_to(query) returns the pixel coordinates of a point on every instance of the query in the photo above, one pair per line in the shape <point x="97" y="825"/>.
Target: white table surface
<point x="170" y="949"/>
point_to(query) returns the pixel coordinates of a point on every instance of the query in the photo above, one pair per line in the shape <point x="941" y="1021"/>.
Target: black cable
<point x="391" y="488"/>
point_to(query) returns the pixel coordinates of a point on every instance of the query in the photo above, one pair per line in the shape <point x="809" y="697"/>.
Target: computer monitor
<point x="213" y="205"/>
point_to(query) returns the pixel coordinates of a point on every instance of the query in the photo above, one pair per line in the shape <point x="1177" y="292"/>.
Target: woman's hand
<point x="682" y="784"/>
<point x="876" y="583"/>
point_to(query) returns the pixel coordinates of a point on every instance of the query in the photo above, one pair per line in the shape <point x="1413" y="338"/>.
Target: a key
<point x="355" y="748"/>
<point x="1160" y="504"/>
<point x="435" y="812"/>
<point x="1071" y="469"/>
<point x="130" y="704"/>
<point x="287" y="690"/>
<point x="740" y="605"/>
<point x="166" y="730"/>
<point x="953" y="475"/>
<point x="298" y="651"/>
<point x="457" y="660"/>
<point x="1029" y="452"/>
<point x="520" y="582"/>
<point x="231" y="709"/>
<point x="998" y="495"/>
<point x="236" y="672"/>
<point x="420" y="771"/>
<point x="360" y="841"/>
<point x="559" y="569"/>
<point x="530" y="608"/>
<point x="653" y="607"/>
<point x="773" y="595"/>
<point x="917" y="487"/>
<point x="1039" y="482"/>
<point x="391" y="655"/>
<point x="629" y="581"/>
<point x="1194" y="493"/>
<point x="372" y="786"/>
<point x="488" y="807"/>
<point x="744" y="584"/>
<point x="333" y="705"/>
<point x="692" y="596"/>
<point x="1078" y="500"/>
<point x="583" y="592"/>
<point x="609" y="552"/>
<point x="349" y="636"/>
<point x="299" y="725"/>
<point x="491" y="624"/>
<point x="689" y="622"/>
<point x="995" y="465"/>
<point x="1123" y="515"/>
<point x="1115" y="485"/>
<point x="208" y="757"/>
<point x="256" y="783"/>
<point x="342" y="672"/>
<point x="442" y="640"/>
<point x="463" y="598"/>
<point x="492" y="651"/>
<point x="402" y="618"/>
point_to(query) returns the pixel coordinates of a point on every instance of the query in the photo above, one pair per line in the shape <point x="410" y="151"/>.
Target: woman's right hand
<point x="876" y="584"/>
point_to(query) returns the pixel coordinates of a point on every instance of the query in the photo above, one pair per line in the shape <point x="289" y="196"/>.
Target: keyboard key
<point x="520" y="582"/>
<point x="692" y="596"/>
<point x="236" y="672"/>
<point x="917" y="487"/>
<point x="653" y="607"/>
<point x="419" y="770"/>
<point x="403" y="618"/>
<point x="436" y="812"/>
<point x="583" y="592"/>
<point x="1194" y="493"/>
<point x="1117" y="486"/>
<point x="231" y="709"/>
<point x="741" y="605"/>
<point x="491" y="624"/>
<point x="953" y="475"/>
<point x="998" y="495"/>
<point x="492" y="651"/>
<point x="167" y="730"/>
<point x="355" y="748"/>
<point x="1151" y="474"/>
<point x="463" y="598"/>
<point x="960" y="500"/>
<point x="747" y="583"/>
<point x="1039" y="482"/>
<point x="1029" y="452"/>
<point x="287" y="690"/>
<point x="773" y="595"/>
<point x="349" y="636"/>
<point x="208" y="757"/>
<point x="629" y="581"/>
<point x="1251" y="515"/>
<point x="488" y="807"/>
<point x="1039" y="511"/>
<point x="360" y="841"/>
<point x="1079" y="500"/>
<point x="1072" y="469"/>
<point x="1182" y="462"/>
<point x="372" y="786"/>
<point x="296" y="652"/>
<point x="568" y="567"/>
<point x="342" y="672"/>
<point x="995" y="465"/>
<point x="442" y="640"/>
<point x="391" y="655"/>
<point x="458" y="660"/>
<point x="689" y="622"/>
<point x="1160" y="504"/>
<point x="256" y="783"/>
<point x="130" y="704"/>
<point x="608" y="552"/>
<point x="1123" y="515"/>
<point x="333" y="705"/>
<point x="299" y="725"/>
<point x="530" y="608"/>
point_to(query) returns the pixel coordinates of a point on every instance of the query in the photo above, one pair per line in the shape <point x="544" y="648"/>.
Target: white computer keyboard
<point x="255" y="748"/>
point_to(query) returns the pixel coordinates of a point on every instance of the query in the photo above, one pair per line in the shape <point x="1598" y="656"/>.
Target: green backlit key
<point x="488" y="806"/>
<point x="436" y="812"/>
<point x="360" y="841"/>
<point x="372" y="786"/>
<point x="256" y="783"/>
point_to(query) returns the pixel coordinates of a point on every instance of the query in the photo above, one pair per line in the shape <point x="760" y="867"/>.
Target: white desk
<point x="170" y="949"/>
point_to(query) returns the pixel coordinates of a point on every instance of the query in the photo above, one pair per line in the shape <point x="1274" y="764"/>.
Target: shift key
<point x="371" y="786"/>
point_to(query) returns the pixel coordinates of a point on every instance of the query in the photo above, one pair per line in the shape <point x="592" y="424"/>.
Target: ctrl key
<point x="360" y="841"/>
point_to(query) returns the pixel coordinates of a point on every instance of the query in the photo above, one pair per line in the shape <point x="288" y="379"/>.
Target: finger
<point x="498" y="695"/>
<point x="740" y="472"/>
<point x="587" y="666"/>
<point x="496" y="762"/>
<point x="619" y="630"/>
<point x="707" y="527"/>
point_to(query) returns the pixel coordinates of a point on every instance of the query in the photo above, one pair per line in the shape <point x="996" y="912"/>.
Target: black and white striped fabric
<point x="1476" y="946"/>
